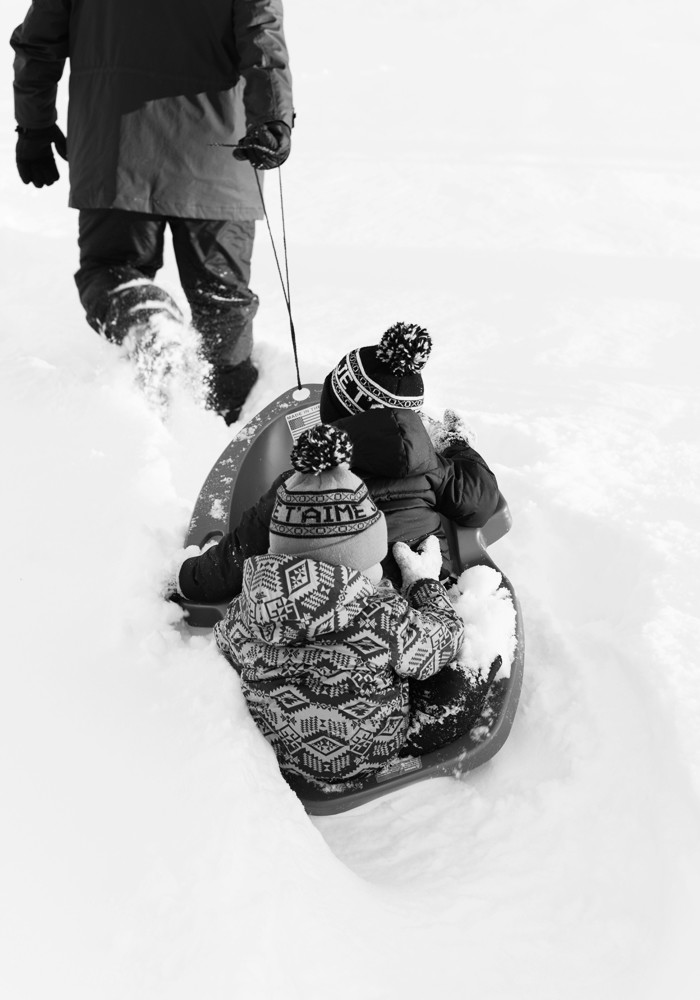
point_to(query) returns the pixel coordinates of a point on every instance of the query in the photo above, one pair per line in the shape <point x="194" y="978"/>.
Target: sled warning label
<point x="301" y="420"/>
<point x="401" y="767"/>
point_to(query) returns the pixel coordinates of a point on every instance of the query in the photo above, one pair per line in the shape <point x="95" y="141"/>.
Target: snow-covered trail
<point x="531" y="196"/>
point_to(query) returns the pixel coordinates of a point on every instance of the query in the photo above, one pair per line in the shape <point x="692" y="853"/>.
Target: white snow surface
<point x="521" y="177"/>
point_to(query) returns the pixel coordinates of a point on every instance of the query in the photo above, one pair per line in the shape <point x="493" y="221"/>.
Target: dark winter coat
<point x="153" y="83"/>
<point x="325" y="659"/>
<point x="408" y="480"/>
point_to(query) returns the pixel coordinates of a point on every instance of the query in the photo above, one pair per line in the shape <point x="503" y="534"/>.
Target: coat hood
<point x="389" y="444"/>
<point x="288" y="600"/>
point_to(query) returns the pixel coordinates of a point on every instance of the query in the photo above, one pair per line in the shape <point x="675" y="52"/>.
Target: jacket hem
<point x="242" y="214"/>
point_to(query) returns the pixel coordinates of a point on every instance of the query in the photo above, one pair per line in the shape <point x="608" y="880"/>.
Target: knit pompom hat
<point x="387" y="374"/>
<point x="324" y="510"/>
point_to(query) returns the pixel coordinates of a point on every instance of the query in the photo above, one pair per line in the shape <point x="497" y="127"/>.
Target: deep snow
<point x="520" y="176"/>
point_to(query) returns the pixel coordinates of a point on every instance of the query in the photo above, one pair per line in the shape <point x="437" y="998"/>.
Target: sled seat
<point x="245" y="470"/>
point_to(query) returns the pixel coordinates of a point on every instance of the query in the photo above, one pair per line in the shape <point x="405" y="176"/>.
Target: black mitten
<point x="265" y="146"/>
<point x="35" y="159"/>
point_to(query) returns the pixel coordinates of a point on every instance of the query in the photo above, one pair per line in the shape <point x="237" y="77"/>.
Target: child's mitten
<point x="455" y="428"/>
<point x="170" y="584"/>
<point x="170" y="589"/>
<point x="425" y="564"/>
<point x="450" y="430"/>
<point x="454" y="431"/>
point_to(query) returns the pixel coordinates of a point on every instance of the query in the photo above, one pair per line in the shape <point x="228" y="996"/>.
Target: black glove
<point x="35" y="159"/>
<point x="266" y="146"/>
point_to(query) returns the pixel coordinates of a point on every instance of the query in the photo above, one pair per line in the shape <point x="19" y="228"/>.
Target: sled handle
<point x="468" y="545"/>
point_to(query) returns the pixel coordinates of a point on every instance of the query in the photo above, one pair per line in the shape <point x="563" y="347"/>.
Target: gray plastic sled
<point x="244" y="471"/>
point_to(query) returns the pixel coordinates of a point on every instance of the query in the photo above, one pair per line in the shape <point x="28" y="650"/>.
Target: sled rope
<point x="285" y="287"/>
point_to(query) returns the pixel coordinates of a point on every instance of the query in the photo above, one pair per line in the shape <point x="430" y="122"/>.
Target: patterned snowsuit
<point x="325" y="659"/>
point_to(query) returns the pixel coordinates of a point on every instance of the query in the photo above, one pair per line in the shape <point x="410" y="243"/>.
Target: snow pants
<point x="213" y="259"/>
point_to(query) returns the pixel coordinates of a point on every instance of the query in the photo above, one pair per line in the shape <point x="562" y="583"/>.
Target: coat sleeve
<point x="216" y="576"/>
<point x="263" y="61"/>
<point x="467" y="493"/>
<point x="41" y="50"/>
<point x="430" y="634"/>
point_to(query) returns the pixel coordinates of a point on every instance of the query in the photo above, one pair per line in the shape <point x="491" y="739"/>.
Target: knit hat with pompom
<point x="387" y="374"/>
<point x="323" y="510"/>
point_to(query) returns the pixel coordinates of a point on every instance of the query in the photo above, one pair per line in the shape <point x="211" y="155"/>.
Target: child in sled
<point x="414" y="471"/>
<point x="325" y="655"/>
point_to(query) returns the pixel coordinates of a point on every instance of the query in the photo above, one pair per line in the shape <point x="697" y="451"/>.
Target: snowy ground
<point x="520" y="176"/>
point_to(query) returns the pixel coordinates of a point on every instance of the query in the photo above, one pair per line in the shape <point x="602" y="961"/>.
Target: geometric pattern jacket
<point x="324" y="660"/>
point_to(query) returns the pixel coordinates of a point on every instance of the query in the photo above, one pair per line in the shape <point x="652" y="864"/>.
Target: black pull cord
<point x="285" y="287"/>
<point x="284" y="237"/>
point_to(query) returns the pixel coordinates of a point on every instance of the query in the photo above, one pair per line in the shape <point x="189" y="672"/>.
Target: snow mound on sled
<point x="486" y="608"/>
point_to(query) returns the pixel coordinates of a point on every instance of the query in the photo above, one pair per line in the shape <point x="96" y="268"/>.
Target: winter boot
<point x="229" y="386"/>
<point x="134" y="304"/>
<point x="163" y="348"/>
<point x="155" y="348"/>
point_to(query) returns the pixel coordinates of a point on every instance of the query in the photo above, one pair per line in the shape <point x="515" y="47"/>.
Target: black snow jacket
<point x="153" y="84"/>
<point x="408" y="480"/>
